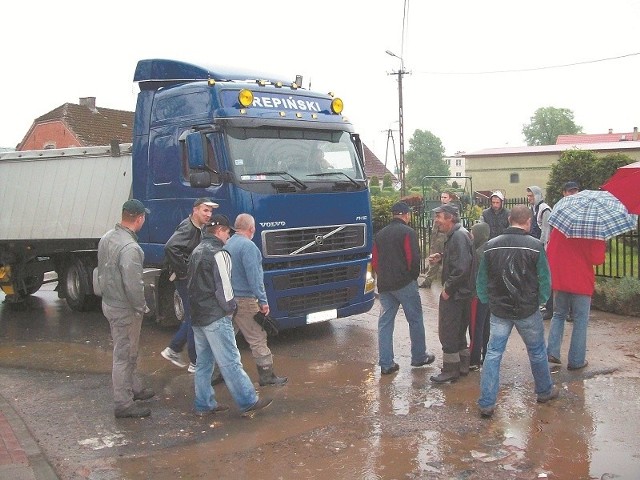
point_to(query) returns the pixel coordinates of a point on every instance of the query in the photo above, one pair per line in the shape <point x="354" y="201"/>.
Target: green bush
<point x="386" y="180"/>
<point x="375" y="189"/>
<point x="618" y="295"/>
<point x="374" y="182"/>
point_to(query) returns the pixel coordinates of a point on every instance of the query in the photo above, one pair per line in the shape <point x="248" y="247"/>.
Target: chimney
<point x="635" y="134"/>
<point x="89" y="102"/>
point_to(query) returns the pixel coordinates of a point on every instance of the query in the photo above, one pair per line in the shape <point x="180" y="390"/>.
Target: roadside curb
<point x="20" y="455"/>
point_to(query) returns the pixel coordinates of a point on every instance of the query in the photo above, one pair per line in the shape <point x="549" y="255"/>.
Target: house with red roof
<point x="598" y="137"/>
<point x="78" y="125"/>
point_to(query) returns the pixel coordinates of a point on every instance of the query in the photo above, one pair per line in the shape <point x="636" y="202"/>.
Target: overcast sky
<point x="57" y="52"/>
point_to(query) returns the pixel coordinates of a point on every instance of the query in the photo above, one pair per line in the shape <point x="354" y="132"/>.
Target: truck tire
<point x="77" y="286"/>
<point x="170" y="310"/>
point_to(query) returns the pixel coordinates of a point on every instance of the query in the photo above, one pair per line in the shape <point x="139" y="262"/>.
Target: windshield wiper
<point x="282" y="175"/>
<point x="326" y="174"/>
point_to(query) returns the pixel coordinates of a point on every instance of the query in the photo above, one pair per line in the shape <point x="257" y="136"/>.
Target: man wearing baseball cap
<point x="177" y="251"/>
<point x="396" y="262"/>
<point x="570" y="188"/>
<point x="454" y="307"/>
<point x="120" y="262"/>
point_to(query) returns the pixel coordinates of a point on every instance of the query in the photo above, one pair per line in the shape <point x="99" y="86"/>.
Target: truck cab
<point x="257" y="144"/>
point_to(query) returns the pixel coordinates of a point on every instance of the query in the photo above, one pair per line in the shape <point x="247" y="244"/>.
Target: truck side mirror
<point x="196" y="151"/>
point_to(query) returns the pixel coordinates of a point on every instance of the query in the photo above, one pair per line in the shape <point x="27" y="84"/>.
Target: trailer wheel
<point x="170" y="310"/>
<point x="77" y="286"/>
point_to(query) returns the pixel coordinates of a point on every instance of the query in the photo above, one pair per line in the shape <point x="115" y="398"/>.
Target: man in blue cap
<point x="396" y="263"/>
<point x="120" y="261"/>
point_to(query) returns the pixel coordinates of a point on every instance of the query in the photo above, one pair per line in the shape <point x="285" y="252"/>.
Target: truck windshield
<point x="310" y="155"/>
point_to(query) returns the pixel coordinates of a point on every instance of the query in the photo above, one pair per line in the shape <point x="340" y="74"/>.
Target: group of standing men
<point x="216" y="302"/>
<point x="499" y="275"/>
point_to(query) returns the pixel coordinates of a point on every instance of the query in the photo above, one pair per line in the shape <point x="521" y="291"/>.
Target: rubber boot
<point x="267" y="377"/>
<point x="450" y="373"/>
<point x="465" y="361"/>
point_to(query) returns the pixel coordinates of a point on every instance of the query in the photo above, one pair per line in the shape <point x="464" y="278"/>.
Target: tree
<point x="424" y="157"/>
<point x="547" y="123"/>
<point x="583" y="167"/>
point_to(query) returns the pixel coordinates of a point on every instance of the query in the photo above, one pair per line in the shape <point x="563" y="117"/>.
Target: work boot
<point x="134" y="411"/>
<point x="144" y="394"/>
<point x="465" y="361"/>
<point x="450" y="373"/>
<point x="267" y="377"/>
<point x="259" y="405"/>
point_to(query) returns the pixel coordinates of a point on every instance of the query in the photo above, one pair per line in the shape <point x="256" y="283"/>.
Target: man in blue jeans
<point x="177" y="251"/>
<point x="514" y="279"/>
<point x="396" y="262"/>
<point x="212" y="306"/>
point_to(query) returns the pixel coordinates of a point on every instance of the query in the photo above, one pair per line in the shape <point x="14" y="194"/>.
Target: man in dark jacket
<point x="514" y="279"/>
<point x="496" y="216"/>
<point x="212" y="307"/>
<point x="177" y="250"/>
<point x="455" y="300"/>
<point x="396" y="262"/>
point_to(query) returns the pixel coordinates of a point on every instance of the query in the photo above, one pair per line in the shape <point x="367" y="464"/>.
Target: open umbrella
<point x="625" y="185"/>
<point x="592" y="214"/>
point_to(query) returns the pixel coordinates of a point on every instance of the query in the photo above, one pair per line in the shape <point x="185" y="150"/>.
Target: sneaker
<point x="191" y="368"/>
<point x="553" y="359"/>
<point x="486" y="412"/>
<point x="549" y="396"/>
<point x="173" y="357"/>
<point x="474" y="367"/>
<point x="259" y="405"/>
<point x="144" y="394"/>
<point x="219" y="409"/>
<point x="569" y="367"/>
<point x="134" y="411"/>
<point x="427" y="361"/>
<point x="393" y="368"/>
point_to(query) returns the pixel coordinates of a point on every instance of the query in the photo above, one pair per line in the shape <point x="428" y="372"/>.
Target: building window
<point x="514" y="178"/>
<point x="49" y="146"/>
<point x="458" y="162"/>
<point x="458" y="174"/>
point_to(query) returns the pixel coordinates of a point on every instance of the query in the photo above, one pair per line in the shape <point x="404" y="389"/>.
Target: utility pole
<point x="400" y="73"/>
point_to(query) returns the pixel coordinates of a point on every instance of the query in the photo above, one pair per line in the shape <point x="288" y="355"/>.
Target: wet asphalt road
<point x="336" y="418"/>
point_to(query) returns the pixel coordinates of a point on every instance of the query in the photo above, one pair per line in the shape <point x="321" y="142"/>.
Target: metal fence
<point x="622" y="260"/>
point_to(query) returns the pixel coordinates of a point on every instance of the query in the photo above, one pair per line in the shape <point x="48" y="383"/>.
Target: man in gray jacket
<point x="120" y="261"/>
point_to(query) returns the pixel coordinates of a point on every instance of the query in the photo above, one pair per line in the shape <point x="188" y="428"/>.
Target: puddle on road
<point x="338" y="418"/>
<point x="404" y="427"/>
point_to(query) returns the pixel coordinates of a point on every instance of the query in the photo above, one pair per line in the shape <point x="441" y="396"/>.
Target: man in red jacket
<point x="572" y="278"/>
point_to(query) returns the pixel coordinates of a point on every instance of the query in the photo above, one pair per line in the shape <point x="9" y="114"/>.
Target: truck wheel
<point x="77" y="286"/>
<point x="170" y="310"/>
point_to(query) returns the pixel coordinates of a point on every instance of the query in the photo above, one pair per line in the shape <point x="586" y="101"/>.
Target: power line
<point x="533" y="69"/>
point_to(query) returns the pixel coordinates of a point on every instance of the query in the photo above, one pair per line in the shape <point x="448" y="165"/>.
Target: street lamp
<point x="400" y="73"/>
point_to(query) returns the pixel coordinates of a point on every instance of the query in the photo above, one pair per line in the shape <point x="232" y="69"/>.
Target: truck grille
<point x="315" y="277"/>
<point x="316" y="301"/>
<point x="313" y="240"/>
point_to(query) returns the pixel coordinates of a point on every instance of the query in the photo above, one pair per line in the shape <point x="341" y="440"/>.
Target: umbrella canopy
<point x="625" y="185"/>
<point x="592" y="214"/>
